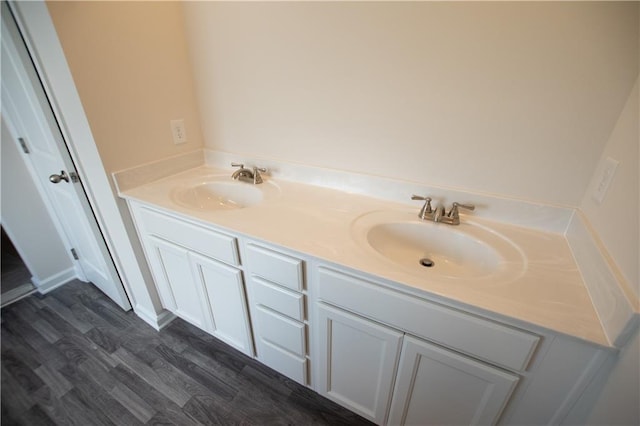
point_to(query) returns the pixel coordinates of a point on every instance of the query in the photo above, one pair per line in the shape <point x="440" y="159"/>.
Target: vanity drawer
<point x="278" y="298"/>
<point x="273" y="266"/>
<point x="280" y="331"/>
<point x="196" y="238"/>
<point x="478" y="337"/>
<point x="290" y="365"/>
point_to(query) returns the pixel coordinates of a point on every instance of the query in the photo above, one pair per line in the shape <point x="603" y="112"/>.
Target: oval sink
<point x="466" y="251"/>
<point x="222" y="193"/>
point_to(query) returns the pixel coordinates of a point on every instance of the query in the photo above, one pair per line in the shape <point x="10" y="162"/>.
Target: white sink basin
<point x="222" y="193"/>
<point x="435" y="250"/>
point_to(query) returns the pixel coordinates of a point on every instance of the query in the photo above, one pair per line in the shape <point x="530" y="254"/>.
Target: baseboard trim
<point x="165" y="318"/>
<point x="157" y="321"/>
<point x="54" y="281"/>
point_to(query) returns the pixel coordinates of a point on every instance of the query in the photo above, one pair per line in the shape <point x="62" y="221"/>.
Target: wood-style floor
<point x="73" y="357"/>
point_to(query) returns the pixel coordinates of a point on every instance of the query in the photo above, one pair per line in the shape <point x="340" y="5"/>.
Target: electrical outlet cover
<point x="607" y="171"/>
<point x="178" y="131"/>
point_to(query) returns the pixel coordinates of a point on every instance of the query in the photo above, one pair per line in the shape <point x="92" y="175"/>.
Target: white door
<point x="436" y="386"/>
<point x="27" y="111"/>
<point x="357" y="360"/>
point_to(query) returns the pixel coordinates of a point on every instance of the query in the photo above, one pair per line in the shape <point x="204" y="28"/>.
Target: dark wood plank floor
<point x="73" y="357"/>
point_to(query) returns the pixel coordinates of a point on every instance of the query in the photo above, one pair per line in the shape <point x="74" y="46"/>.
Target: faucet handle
<point x="456" y="206"/>
<point x="426" y="210"/>
<point x="257" y="177"/>
<point x="427" y="205"/>
<point x="237" y="165"/>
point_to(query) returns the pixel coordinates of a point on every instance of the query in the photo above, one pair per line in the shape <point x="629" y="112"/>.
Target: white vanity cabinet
<point x="392" y="353"/>
<point x="197" y="274"/>
<point x="275" y="282"/>
<point x="396" y="359"/>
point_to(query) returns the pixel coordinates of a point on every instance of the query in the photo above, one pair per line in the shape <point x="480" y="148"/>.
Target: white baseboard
<point x="165" y="318"/>
<point x="51" y="283"/>
<point x="157" y="321"/>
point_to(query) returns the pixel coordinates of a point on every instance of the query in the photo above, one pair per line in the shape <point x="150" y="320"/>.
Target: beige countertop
<point x="546" y="289"/>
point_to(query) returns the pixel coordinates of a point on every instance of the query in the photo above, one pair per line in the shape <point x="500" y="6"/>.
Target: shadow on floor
<point x="15" y="279"/>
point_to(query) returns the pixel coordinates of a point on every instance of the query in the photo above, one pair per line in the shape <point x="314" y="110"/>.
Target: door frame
<point x="39" y="34"/>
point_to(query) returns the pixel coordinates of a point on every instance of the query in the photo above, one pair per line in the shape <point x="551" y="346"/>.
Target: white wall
<point x="25" y="217"/>
<point x="130" y="65"/>
<point x="617" y="223"/>
<point x="616" y="220"/>
<point x="514" y="98"/>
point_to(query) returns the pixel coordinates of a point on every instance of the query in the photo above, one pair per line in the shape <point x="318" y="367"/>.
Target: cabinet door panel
<point x="439" y="387"/>
<point x="179" y="292"/>
<point x="357" y="362"/>
<point x="226" y="302"/>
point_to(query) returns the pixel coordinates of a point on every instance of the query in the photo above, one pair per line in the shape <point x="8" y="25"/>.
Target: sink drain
<point x="426" y="262"/>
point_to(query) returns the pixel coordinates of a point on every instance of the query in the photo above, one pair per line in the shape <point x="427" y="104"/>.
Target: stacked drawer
<point x="277" y="305"/>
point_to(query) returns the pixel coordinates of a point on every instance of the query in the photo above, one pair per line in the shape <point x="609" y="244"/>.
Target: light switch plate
<point x="607" y="171"/>
<point x="178" y="131"/>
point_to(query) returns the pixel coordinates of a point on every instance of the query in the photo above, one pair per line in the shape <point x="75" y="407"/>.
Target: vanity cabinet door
<point x="225" y="302"/>
<point x="357" y="362"/>
<point x="436" y="386"/>
<point x="179" y="292"/>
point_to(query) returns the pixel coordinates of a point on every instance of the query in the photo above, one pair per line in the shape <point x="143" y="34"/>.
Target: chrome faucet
<point x="439" y="214"/>
<point x="248" y="175"/>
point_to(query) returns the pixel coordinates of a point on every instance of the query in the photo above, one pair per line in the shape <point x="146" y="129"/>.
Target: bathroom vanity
<point x="312" y="281"/>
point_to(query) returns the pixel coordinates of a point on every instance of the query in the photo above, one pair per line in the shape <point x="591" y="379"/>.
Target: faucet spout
<point x="242" y="173"/>
<point x="438" y="213"/>
<point x="248" y="175"/>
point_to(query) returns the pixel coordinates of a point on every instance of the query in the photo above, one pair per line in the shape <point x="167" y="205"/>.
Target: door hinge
<point x="24" y="146"/>
<point x="74" y="177"/>
<point x="74" y="254"/>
